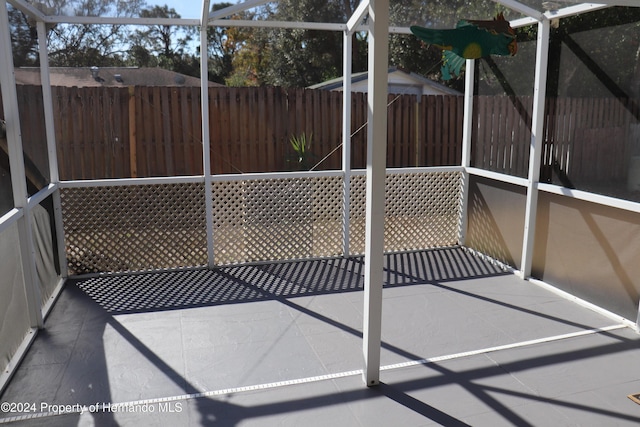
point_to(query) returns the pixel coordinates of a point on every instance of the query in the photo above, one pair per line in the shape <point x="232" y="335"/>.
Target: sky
<point x="186" y="8"/>
<point x="190" y="9"/>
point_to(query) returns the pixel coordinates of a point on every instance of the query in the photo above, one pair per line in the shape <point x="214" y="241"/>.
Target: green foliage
<point x="301" y="144"/>
<point x="296" y="57"/>
<point x="595" y="53"/>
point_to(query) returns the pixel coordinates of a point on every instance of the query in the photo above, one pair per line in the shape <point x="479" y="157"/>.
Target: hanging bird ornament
<point x="471" y="39"/>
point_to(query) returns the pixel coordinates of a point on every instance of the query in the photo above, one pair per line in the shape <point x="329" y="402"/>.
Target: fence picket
<point x="250" y="130"/>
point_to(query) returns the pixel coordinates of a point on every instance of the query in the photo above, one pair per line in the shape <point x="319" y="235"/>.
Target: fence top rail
<point x="243" y="177"/>
<point x="275" y="175"/>
<point x="132" y="181"/>
<point x="10" y="218"/>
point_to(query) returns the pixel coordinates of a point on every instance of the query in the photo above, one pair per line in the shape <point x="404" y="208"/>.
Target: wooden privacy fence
<point x="586" y="140"/>
<point x="156" y="131"/>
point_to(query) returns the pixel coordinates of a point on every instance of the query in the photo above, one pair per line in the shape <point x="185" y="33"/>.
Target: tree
<point x="302" y="57"/>
<point x="221" y="50"/>
<point x="292" y="57"/>
<point x="83" y="45"/>
<point x="250" y="50"/>
<point x="24" y="39"/>
<point x="163" y="45"/>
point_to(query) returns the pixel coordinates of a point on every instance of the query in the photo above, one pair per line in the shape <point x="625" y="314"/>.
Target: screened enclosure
<point x="163" y="199"/>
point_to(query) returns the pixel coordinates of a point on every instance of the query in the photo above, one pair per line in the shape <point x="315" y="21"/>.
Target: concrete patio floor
<point x="464" y="343"/>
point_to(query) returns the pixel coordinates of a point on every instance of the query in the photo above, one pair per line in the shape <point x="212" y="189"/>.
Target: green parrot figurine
<point x="471" y="39"/>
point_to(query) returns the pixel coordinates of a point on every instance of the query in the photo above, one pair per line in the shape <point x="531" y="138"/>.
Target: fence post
<point x="133" y="154"/>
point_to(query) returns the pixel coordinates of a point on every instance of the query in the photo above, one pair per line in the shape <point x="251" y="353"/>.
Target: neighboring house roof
<point x="107" y="77"/>
<point x="400" y="82"/>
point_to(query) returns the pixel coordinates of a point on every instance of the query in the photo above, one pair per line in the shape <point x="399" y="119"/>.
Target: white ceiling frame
<point x="236" y="8"/>
<point x="204" y="16"/>
<point x="327" y="26"/>
<point x="27" y="9"/>
<point x="631" y="3"/>
<point x="106" y="20"/>
<point x="353" y="24"/>
<point x="519" y="7"/>
<point x="357" y="16"/>
<point x="577" y="10"/>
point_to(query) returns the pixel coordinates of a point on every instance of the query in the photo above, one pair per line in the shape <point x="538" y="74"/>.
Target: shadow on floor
<point x="137" y="293"/>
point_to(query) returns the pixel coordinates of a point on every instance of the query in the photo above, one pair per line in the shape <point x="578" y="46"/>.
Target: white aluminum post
<point x="467" y="127"/>
<point x="376" y="174"/>
<point x="54" y="174"/>
<point x="346" y="139"/>
<point x="47" y="99"/>
<point x="206" y="155"/>
<point x="535" y="149"/>
<point x="18" y="174"/>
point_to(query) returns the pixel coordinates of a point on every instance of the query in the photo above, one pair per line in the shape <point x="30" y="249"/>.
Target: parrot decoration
<point x="471" y="39"/>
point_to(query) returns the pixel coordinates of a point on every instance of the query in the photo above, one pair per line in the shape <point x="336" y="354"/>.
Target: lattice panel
<point x="137" y="228"/>
<point x="134" y="228"/>
<point x="228" y="222"/>
<point x="357" y="214"/>
<point x="277" y="219"/>
<point x="422" y="211"/>
<point x="327" y="216"/>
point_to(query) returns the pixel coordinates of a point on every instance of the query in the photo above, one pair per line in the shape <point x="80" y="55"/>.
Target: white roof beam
<point x="27" y="9"/>
<point x="576" y="10"/>
<point x="119" y="21"/>
<point x="236" y="8"/>
<point x="519" y="7"/>
<point x="278" y="24"/>
<point x="632" y="3"/>
<point x="522" y="22"/>
<point x="358" y="15"/>
<point x="204" y="16"/>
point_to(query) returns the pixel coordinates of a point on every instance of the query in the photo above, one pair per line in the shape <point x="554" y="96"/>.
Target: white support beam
<point x="535" y="149"/>
<point x="599" y="199"/>
<point x="347" y="65"/>
<point x="236" y="8"/>
<point x="11" y="116"/>
<point x="204" y="16"/>
<point x="522" y="22"/>
<point x="47" y="99"/>
<point x="467" y="130"/>
<point x="115" y="20"/>
<point x="52" y="155"/>
<point x="321" y="26"/>
<point x="17" y="170"/>
<point x="522" y="8"/>
<point x="206" y="143"/>
<point x="358" y="15"/>
<point x="467" y="126"/>
<point x="577" y="10"/>
<point x="632" y="3"/>
<point x="375" y="191"/>
<point x="28" y="9"/>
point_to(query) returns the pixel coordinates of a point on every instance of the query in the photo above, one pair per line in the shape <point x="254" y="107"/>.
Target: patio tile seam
<point x="486" y="350"/>
<point x="258" y="387"/>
